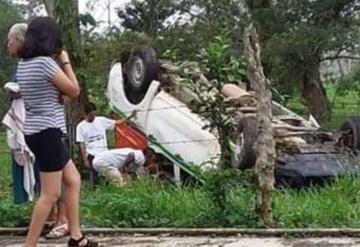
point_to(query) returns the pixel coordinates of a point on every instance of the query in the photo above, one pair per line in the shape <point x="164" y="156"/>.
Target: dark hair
<point x="42" y="38"/>
<point x="150" y="155"/>
<point x="90" y="107"/>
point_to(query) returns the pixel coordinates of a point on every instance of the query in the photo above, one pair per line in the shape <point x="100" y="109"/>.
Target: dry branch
<point x="265" y="145"/>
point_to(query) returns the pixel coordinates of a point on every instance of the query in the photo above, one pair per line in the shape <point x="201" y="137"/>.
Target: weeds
<point x="146" y="204"/>
<point x="228" y="200"/>
<point x="336" y="205"/>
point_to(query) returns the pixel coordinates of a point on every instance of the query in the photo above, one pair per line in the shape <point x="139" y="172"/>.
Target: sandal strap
<point x="60" y="227"/>
<point x="58" y="231"/>
<point x="75" y="243"/>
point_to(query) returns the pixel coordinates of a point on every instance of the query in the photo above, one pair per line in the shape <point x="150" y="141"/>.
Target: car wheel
<point x="247" y="132"/>
<point x="350" y="129"/>
<point x="142" y="67"/>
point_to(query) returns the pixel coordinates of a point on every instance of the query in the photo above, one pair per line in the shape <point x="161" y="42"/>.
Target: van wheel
<point x="142" y="67"/>
<point x="247" y="132"/>
<point x="350" y="129"/>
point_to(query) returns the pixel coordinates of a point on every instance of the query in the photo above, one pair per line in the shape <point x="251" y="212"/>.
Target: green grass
<point x="146" y="204"/>
<point x="337" y="205"/>
<point x="343" y="106"/>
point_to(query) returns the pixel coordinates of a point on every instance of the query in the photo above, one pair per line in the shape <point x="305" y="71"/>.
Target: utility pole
<point x="109" y="13"/>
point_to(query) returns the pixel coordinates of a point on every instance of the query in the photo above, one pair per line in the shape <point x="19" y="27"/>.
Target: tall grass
<point x="146" y="204"/>
<point x="336" y="205"/>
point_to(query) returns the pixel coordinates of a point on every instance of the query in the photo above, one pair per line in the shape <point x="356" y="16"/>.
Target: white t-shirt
<point x="93" y="134"/>
<point x="116" y="158"/>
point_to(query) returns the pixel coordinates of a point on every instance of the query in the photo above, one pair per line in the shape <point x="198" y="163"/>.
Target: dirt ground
<point x="173" y="241"/>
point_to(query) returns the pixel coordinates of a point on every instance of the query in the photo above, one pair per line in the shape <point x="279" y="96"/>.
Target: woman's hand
<point x="63" y="99"/>
<point x="65" y="79"/>
<point x="64" y="58"/>
<point x="14" y="95"/>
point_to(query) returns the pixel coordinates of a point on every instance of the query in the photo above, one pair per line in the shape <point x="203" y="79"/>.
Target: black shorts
<point x="49" y="149"/>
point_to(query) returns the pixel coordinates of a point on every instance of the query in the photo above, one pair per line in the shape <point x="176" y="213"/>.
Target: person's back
<point x="41" y="97"/>
<point x="117" y="163"/>
<point x="117" y="158"/>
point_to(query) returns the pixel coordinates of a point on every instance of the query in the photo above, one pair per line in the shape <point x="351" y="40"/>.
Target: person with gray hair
<point x="15" y="39"/>
<point x="14" y="43"/>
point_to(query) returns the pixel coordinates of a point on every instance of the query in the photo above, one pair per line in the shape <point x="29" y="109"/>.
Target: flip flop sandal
<point x="49" y="224"/>
<point x="77" y="243"/>
<point x="58" y="232"/>
<point x="47" y="227"/>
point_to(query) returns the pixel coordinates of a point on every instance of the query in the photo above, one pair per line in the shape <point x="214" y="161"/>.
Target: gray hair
<point x="19" y="30"/>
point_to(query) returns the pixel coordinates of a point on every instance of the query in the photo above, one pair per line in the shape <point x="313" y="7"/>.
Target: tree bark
<point x="67" y="16"/>
<point x="66" y="13"/>
<point x="314" y="93"/>
<point x="265" y="145"/>
<point x="259" y="9"/>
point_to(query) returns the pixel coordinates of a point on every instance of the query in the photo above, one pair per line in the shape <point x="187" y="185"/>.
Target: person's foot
<point x="50" y="224"/>
<point x="58" y="232"/>
<point x="82" y="241"/>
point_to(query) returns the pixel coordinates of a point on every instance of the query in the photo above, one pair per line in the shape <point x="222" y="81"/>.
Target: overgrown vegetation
<point x="222" y="68"/>
<point x="148" y="204"/>
<point x="227" y="199"/>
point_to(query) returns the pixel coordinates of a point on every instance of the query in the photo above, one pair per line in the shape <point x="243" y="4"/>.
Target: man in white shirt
<point x="91" y="134"/>
<point x="117" y="163"/>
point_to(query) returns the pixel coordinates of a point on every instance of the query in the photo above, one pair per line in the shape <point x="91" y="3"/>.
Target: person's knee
<point x="50" y="197"/>
<point x="73" y="181"/>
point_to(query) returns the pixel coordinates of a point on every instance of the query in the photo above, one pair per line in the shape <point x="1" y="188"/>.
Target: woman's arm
<point x="65" y="79"/>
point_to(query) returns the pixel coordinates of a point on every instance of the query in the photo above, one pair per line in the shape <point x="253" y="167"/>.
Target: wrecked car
<point x="305" y="154"/>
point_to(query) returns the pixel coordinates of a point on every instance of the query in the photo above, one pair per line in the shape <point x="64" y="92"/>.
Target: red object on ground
<point x="127" y="136"/>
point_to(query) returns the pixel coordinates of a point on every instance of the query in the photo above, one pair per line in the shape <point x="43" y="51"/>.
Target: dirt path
<point x="162" y="241"/>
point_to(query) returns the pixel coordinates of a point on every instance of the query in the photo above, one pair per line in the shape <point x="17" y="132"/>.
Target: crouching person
<point x="118" y="164"/>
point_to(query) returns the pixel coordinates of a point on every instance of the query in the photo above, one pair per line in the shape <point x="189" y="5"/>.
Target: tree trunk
<point x="263" y="15"/>
<point x="67" y="15"/>
<point x="265" y="145"/>
<point x="314" y="93"/>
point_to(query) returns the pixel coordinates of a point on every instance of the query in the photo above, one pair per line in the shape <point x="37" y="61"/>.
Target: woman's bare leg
<point x="61" y="213"/>
<point x="50" y="192"/>
<point x="71" y="179"/>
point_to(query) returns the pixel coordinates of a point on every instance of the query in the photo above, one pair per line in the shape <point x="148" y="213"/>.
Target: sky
<point x="104" y="11"/>
<point x="98" y="9"/>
